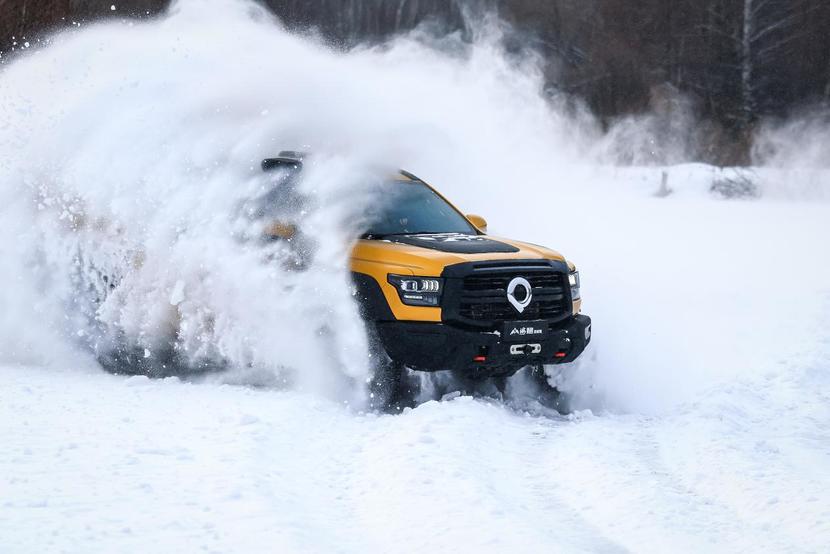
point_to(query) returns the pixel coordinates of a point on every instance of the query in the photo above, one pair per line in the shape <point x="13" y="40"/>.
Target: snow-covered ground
<point x="701" y="415"/>
<point x="95" y="463"/>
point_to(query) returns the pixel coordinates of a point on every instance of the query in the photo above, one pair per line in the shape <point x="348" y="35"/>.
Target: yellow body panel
<point x="379" y="258"/>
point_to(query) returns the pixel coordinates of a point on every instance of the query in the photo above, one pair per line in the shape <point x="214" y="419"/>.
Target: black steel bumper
<point x="438" y="346"/>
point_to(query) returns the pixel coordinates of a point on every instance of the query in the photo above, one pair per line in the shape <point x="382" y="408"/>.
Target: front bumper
<point x="438" y="346"/>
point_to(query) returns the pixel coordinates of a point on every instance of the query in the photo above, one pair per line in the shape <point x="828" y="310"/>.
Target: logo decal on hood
<point x="456" y="243"/>
<point x="451" y="237"/>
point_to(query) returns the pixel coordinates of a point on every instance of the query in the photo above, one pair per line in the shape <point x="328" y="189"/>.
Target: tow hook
<point x="525" y="349"/>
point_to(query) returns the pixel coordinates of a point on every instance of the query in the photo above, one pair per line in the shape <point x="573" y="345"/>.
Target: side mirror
<point x="478" y="221"/>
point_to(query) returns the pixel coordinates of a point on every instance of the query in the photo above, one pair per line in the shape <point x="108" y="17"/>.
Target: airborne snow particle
<point x="177" y="294"/>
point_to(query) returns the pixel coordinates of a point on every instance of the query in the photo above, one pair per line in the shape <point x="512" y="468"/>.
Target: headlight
<point x="573" y="279"/>
<point x="418" y="291"/>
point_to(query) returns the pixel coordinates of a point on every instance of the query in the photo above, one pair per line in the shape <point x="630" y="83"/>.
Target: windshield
<point x="411" y="207"/>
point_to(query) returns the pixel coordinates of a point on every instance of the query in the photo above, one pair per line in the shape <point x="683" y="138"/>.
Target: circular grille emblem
<point x="519" y="293"/>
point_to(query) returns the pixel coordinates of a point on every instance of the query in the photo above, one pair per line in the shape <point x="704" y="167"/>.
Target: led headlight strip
<point x="418" y="291"/>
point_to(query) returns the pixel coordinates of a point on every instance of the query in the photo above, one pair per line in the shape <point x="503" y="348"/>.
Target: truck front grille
<point x="483" y="296"/>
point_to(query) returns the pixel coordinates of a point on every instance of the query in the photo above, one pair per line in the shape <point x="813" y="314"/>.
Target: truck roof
<point x="292" y="159"/>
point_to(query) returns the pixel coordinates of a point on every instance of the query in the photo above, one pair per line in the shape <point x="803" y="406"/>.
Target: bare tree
<point x="770" y="32"/>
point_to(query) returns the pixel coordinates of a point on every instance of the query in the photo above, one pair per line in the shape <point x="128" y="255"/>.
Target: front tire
<point x="547" y="395"/>
<point x="384" y="385"/>
<point x="386" y="374"/>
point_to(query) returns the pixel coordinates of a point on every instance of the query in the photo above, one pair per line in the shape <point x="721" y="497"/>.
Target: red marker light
<point x="560" y="354"/>
<point x="480" y="359"/>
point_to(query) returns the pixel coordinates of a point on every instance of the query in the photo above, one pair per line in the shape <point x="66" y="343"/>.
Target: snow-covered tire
<point x="386" y="374"/>
<point x="120" y="356"/>
<point x="546" y="395"/>
<point x="384" y="385"/>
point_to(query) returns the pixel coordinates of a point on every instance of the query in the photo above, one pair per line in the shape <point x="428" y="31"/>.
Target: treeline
<point x="737" y="60"/>
<point x="733" y="62"/>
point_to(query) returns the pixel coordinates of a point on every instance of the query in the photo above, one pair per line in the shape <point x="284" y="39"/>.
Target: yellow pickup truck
<point x="438" y="293"/>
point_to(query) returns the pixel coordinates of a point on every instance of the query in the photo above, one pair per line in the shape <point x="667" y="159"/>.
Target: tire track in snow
<point x="457" y="473"/>
<point x="103" y="463"/>
<point x="614" y="474"/>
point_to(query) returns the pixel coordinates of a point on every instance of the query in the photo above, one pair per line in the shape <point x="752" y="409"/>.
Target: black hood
<point x="456" y="243"/>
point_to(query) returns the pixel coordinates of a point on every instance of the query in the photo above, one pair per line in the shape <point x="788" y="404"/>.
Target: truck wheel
<point x="384" y="385"/>
<point x="546" y="395"/>
<point x="122" y="357"/>
<point x="385" y="381"/>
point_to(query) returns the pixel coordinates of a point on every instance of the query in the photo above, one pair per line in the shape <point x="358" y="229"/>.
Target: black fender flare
<point x="370" y="298"/>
